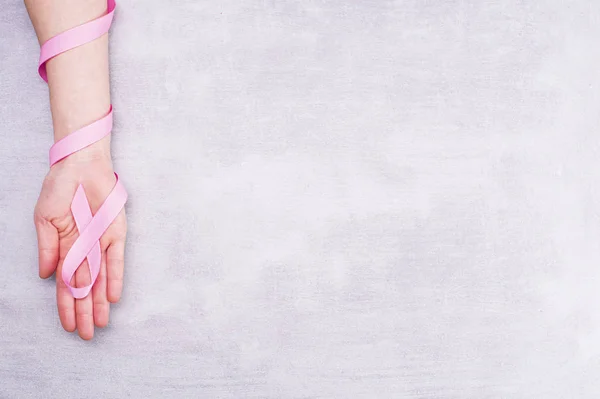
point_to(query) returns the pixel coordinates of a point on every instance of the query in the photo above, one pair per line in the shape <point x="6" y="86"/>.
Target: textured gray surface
<point x="329" y="199"/>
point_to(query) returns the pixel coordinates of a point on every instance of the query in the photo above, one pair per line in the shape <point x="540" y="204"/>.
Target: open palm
<point x="57" y="231"/>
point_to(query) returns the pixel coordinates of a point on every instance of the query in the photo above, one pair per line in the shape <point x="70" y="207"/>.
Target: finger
<point x="84" y="307"/>
<point x="66" y="304"/>
<point x="114" y="269"/>
<point x="101" y="304"/>
<point x="47" y="237"/>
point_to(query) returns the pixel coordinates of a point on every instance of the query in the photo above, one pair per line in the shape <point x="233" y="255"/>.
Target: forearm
<point x="79" y="78"/>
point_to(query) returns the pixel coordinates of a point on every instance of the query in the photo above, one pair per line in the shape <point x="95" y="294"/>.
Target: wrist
<point x="99" y="152"/>
<point x="89" y="164"/>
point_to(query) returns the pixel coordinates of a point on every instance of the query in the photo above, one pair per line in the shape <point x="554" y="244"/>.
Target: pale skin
<point x="79" y="95"/>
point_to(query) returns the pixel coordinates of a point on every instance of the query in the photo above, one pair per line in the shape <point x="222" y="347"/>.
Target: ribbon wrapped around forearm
<point x="90" y="227"/>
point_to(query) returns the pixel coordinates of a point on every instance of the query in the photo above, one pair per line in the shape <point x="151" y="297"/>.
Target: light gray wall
<point x="329" y="199"/>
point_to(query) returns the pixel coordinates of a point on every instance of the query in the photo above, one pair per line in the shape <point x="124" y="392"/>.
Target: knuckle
<point x="85" y="317"/>
<point x="39" y="219"/>
<point x="47" y="253"/>
<point x="100" y="304"/>
<point x="116" y="275"/>
<point x="66" y="313"/>
<point x="66" y="227"/>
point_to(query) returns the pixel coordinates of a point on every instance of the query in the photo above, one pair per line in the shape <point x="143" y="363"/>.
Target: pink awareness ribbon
<point x="90" y="227"/>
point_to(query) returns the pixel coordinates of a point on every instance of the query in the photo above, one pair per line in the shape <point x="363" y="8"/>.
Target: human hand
<point x="56" y="233"/>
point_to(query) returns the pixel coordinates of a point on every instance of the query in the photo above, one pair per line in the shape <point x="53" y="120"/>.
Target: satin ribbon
<point x="90" y="227"/>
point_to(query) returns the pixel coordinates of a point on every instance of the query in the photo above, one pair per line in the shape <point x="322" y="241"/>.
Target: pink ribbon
<point x="90" y="227"/>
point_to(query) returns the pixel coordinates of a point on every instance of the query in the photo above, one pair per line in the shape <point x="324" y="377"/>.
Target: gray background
<point x="329" y="199"/>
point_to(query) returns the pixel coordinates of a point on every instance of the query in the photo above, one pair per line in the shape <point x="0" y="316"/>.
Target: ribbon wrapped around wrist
<point x="90" y="227"/>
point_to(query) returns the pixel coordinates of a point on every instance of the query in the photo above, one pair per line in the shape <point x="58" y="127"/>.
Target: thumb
<point x="47" y="237"/>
